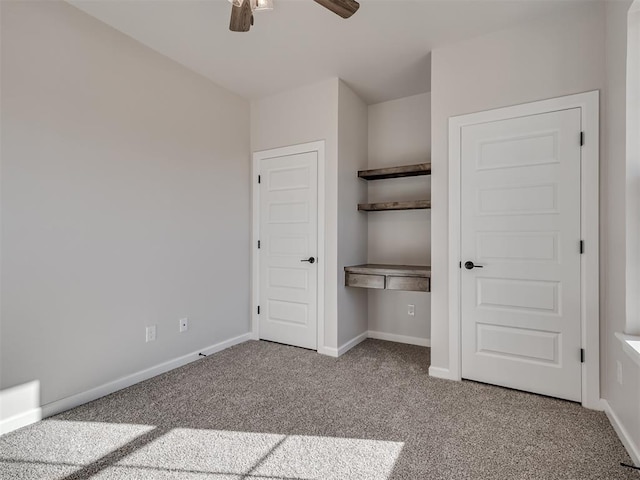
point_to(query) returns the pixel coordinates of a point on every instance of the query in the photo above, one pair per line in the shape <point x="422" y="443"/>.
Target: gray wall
<point x="581" y="51"/>
<point x="400" y="134"/>
<point x="332" y="112"/>
<point x="125" y="203"/>
<point x="550" y="57"/>
<point x="624" y="398"/>
<point x="352" y="224"/>
<point x="304" y="115"/>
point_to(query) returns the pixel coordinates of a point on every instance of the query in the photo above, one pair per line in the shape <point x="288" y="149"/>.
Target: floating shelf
<point x="396" y="172"/>
<point x="414" y="278"/>
<point x="409" y="205"/>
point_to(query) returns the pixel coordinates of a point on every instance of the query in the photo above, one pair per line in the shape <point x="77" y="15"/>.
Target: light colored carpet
<point x="266" y="411"/>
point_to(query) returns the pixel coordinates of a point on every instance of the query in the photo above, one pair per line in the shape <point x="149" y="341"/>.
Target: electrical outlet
<point x="619" y="372"/>
<point x="151" y="334"/>
<point x="411" y="310"/>
<point x="184" y="324"/>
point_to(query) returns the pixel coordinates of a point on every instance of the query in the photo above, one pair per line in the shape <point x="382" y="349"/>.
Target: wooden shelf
<point x="415" y="278"/>
<point x="408" y="205"/>
<point x="396" y="172"/>
<point x="379" y="269"/>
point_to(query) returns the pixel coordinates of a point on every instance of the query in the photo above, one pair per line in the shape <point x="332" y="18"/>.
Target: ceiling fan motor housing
<point x="242" y="11"/>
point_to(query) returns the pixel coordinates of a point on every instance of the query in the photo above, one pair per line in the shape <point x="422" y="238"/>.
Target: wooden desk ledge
<point x="414" y="278"/>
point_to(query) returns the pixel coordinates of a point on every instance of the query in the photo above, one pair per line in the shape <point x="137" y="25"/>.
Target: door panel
<point x="518" y="343"/>
<point x="521" y="224"/>
<point x="288" y="235"/>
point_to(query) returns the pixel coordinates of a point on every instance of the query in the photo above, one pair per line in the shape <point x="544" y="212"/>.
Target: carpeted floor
<point x="266" y="411"/>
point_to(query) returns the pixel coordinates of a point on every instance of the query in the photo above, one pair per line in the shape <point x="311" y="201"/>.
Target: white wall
<point x="125" y="203"/>
<point x="551" y="57"/>
<point x="400" y="134"/>
<point x="624" y="399"/>
<point x="305" y="115"/>
<point x="352" y="224"/>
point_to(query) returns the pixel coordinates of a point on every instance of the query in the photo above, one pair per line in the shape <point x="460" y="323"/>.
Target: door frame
<point x="588" y="102"/>
<point x="319" y="148"/>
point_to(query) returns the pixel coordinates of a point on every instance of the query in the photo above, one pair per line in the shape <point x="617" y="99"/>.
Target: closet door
<point x="520" y="231"/>
<point x="288" y="249"/>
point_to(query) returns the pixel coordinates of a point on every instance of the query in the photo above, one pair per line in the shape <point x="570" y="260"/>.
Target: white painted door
<point x="520" y="204"/>
<point x="288" y="249"/>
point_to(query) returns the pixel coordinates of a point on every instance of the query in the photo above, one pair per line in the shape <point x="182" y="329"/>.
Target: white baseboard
<point x="344" y="348"/>
<point x="22" y="420"/>
<point x="352" y="343"/>
<point x="438" y="372"/>
<point x="392" y="337"/>
<point x="329" y="352"/>
<point x="625" y="438"/>
<point x="76" y="400"/>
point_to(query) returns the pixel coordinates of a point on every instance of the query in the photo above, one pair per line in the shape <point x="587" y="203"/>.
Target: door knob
<point x="469" y="265"/>
<point x="310" y="260"/>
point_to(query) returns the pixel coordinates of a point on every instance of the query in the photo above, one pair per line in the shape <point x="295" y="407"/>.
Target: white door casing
<point x="520" y="223"/>
<point x="288" y="228"/>
<point x="588" y="105"/>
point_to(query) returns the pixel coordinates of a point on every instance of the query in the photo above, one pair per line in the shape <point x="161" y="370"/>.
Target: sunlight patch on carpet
<point x="103" y="451"/>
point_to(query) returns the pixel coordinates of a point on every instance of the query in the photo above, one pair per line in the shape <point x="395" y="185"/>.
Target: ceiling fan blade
<point x="344" y="8"/>
<point x="241" y="17"/>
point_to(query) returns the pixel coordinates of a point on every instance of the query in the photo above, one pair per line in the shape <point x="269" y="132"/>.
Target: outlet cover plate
<point x="184" y="324"/>
<point x="151" y="333"/>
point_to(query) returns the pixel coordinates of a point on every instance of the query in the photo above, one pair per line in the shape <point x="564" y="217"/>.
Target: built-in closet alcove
<point x="389" y="143"/>
<point x="415" y="278"/>
<point x="397" y="209"/>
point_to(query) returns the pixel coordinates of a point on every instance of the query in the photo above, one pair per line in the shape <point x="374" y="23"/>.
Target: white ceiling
<point x="382" y="52"/>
